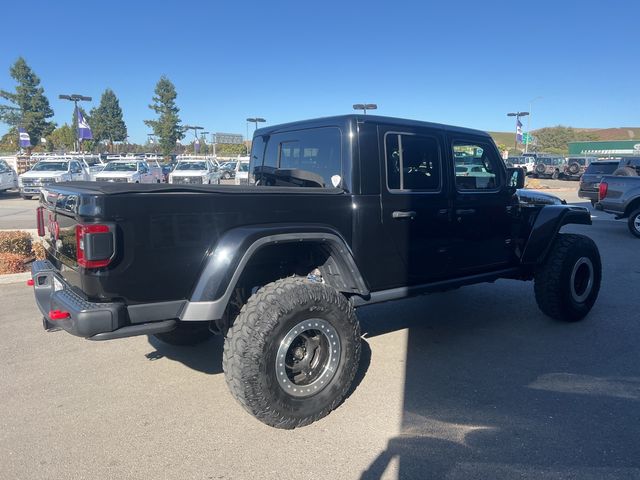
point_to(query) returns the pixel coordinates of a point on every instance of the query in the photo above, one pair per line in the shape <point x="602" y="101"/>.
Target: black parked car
<point x="341" y="212"/>
<point x="590" y="180"/>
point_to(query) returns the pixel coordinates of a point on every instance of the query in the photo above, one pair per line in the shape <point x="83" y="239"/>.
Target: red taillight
<point x="30" y="282"/>
<point x="40" y="221"/>
<point x="58" y="314"/>
<point x="602" y="191"/>
<point x="97" y="258"/>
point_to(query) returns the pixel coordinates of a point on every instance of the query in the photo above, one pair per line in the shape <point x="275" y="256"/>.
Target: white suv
<point x="51" y="170"/>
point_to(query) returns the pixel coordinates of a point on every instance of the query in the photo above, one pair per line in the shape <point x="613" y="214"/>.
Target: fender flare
<point x="547" y="225"/>
<point x="226" y="261"/>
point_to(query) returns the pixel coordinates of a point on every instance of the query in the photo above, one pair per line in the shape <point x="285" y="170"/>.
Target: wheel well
<point x="635" y="204"/>
<point x="274" y="261"/>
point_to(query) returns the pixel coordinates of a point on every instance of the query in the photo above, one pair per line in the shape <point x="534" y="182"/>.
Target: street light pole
<point x="255" y="120"/>
<point x="75" y="98"/>
<point x="517" y="115"/>
<point x="365" y="106"/>
<point x="195" y="133"/>
<point x="526" y="144"/>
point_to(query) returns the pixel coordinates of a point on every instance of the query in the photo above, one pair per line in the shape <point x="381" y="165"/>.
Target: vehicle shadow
<point x="207" y="356"/>
<point x="494" y="389"/>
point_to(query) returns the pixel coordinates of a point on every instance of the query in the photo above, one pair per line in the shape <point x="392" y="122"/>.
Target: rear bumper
<point x="96" y="321"/>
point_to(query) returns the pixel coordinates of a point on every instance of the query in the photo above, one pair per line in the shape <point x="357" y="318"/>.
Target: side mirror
<point x="515" y="177"/>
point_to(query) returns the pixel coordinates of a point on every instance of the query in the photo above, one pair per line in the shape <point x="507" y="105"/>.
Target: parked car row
<point x="50" y="169"/>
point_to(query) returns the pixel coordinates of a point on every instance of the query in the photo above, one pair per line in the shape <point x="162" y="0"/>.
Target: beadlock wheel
<point x="307" y="358"/>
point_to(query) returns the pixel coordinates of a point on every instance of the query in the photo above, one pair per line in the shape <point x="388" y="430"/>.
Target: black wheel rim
<point x="308" y="357"/>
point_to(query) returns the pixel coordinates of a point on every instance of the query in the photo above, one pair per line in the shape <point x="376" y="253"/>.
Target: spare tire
<point x="541" y="168"/>
<point x="574" y="168"/>
<point x="626" y="172"/>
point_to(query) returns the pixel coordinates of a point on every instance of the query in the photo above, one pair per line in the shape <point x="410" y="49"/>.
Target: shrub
<point x="16" y="242"/>
<point x="39" y="251"/>
<point x="12" y="263"/>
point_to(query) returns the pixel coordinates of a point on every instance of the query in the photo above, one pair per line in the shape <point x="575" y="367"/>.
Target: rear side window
<point x="413" y="162"/>
<point x="302" y="158"/>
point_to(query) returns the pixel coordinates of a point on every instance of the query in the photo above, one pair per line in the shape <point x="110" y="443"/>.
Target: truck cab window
<point x="303" y="158"/>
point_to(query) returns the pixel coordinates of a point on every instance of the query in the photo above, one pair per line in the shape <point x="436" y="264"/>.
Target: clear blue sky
<point x="464" y="63"/>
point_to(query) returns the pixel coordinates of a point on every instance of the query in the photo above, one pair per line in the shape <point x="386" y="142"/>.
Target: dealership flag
<point x="84" y="130"/>
<point x="519" y="131"/>
<point x="25" y="139"/>
<point x="196" y="146"/>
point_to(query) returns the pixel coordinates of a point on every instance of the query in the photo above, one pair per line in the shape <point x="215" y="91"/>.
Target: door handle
<point x="465" y="211"/>
<point x="404" y="214"/>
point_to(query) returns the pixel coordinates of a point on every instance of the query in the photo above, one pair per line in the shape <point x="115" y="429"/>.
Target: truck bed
<point x="622" y="195"/>
<point x="164" y="232"/>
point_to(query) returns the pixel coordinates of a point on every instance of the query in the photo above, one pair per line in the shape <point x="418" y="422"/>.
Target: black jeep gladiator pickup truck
<point x="340" y="212"/>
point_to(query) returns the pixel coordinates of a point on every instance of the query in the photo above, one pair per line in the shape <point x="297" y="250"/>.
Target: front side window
<point x="476" y="166"/>
<point x="413" y="162"/>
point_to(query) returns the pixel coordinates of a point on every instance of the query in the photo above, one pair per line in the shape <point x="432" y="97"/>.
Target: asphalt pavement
<point x="473" y="383"/>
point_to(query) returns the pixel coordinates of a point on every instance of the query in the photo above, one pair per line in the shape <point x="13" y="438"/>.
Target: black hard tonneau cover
<point x="115" y="188"/>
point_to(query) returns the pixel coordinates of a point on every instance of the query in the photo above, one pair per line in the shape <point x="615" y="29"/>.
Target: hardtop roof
<point x="339" y="120"/>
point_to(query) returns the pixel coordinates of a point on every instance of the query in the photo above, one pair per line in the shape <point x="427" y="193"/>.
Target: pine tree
<point x="106" y="120"/>
<point x="30" y="107"/>
<point x="167" y="127"/>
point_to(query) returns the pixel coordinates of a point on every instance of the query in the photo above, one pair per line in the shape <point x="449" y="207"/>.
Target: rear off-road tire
<point x="625" y="172"/>
<point x="292" y="353"/>
<point x="634" y="223"/>
<point x="567" y="284"/>
<point x="187" y="334"/>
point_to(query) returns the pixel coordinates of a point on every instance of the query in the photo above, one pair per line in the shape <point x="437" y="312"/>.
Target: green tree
<point x="107" y="123"/>
<point x="556" y="139"/>
<point x="166" y="127"/>
<point x="62" y="138"/>
<point x="30" y="107"/>
<point x="9" y="141"/>
<point x="230" y="149"/>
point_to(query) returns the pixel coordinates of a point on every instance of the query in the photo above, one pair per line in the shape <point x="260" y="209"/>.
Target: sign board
<point x="528" y="138"/>
<point x="233" y="138"/>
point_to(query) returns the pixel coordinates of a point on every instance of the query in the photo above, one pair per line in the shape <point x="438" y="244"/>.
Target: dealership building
<point x="614" y="148"/>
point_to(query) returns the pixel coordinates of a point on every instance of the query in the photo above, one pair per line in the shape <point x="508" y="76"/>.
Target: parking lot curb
<point x="14" y="278"/>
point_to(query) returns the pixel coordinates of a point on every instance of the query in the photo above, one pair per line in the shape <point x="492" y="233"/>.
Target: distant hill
<point x="600" y="134"/>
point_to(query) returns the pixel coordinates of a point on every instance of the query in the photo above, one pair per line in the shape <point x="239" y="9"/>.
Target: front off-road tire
<point x="187" y="334"/>
<point x="566" y="285"/>
<point x="292" y="353"/>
